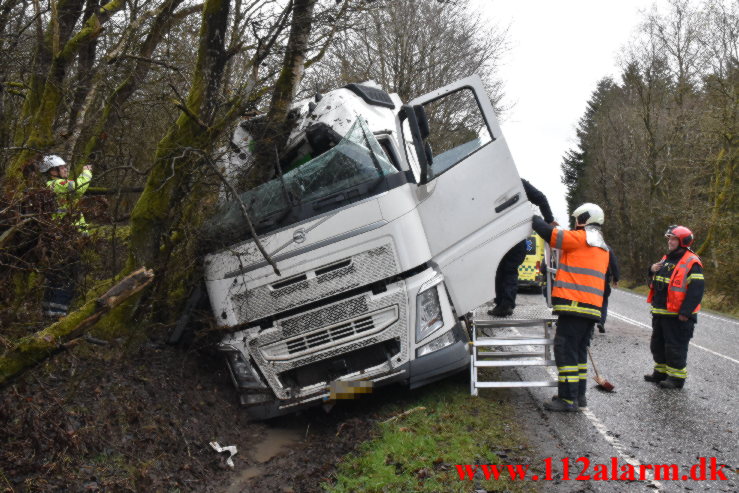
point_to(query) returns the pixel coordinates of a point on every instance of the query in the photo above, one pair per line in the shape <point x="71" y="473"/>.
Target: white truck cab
<point x="387" y="223"/>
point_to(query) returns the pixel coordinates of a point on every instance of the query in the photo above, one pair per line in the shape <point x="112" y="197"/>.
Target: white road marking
<point x="702" y="314"/>
<point x="639" y="324"/>
<point x="607" y="434"/>
<point x="615" y="442"/>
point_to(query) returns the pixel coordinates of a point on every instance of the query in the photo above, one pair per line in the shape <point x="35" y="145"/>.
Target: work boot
<point x="558" y="405"/>
<point x="655" y="377"/>
<point x="582" y="401"/>
<point x="672" y="383"/>
<point x="501" y="311"/>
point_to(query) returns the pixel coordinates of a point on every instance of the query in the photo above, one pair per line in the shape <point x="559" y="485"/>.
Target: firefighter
<point x="60" y="280"/>
<point x="675" y="292"/>
<point x="577" y="299"/>
<point x="506" y="277"/>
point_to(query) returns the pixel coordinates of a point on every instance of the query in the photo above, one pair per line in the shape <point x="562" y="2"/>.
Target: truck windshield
<point x="342" y="174"/>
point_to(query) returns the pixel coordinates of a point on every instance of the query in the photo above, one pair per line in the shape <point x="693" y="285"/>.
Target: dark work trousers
<point x="571" y="343"/>
<point x="506" y="277"/>
<point x="669" y="345"/>
<point x="59" y="289"/>
<point x="604" y="310"/>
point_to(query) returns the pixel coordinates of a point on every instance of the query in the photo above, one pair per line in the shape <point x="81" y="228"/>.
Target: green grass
<point x="419" y="451"/>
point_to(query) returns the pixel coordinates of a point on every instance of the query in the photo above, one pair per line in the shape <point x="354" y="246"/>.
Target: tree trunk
<point x="277" y="127"/>
<point x="166" y="217"/>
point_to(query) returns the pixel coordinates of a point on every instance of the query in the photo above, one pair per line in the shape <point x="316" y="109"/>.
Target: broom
<point x="602" y="382"/>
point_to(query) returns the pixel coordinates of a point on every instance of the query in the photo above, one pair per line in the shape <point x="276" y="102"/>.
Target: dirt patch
<point x="103" y="422"/>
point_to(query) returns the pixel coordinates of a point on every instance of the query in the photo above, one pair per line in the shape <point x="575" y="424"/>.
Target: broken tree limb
<point x="32" y="349"/>
<point x="246" y="217"/>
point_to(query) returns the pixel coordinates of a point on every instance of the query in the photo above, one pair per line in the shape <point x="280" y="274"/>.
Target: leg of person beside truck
<point x="506" y="281"/>
<point x="570" y="352"/>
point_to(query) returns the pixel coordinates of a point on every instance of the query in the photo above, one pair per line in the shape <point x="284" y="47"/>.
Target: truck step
<point x="512" y="341"/>
<point x="509" y="354"/>
<point x="518" y="362"/>
<point x="498" y="385"/>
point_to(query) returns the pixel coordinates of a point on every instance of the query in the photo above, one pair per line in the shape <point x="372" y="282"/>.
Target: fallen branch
<point x="31" y="350"/>
<point x="404" y="414"/>
<point x="247" y="218"/>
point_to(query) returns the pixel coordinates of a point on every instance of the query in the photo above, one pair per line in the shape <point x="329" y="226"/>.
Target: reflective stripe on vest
<point x="578" y="287"/>
<point x="593" y="312"/>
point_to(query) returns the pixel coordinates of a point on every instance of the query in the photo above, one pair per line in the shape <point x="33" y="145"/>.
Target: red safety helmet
<point x="681" y="233"/>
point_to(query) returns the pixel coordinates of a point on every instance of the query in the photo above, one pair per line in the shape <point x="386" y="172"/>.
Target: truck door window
<point x="457" y="129"/>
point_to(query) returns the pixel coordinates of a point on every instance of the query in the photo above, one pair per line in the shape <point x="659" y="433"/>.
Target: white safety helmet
<point x="589" y="213"/>
<point x="50" y="161"/>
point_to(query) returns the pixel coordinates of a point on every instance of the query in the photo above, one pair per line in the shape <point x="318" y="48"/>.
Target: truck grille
<point x="332" y="335"/>
<point x="361" y="269"/>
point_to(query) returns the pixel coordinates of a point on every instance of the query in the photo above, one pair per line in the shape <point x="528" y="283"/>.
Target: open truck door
<point x="472" y="203"/>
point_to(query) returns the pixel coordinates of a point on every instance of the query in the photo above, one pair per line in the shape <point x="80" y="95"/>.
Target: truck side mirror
<point x="419" y="129"/>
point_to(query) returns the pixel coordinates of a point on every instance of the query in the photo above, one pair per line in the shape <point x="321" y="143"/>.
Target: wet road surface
<point x="640" y="423"/>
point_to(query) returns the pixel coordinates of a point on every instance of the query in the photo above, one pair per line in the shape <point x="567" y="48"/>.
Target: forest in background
<point x="659" y="146"/>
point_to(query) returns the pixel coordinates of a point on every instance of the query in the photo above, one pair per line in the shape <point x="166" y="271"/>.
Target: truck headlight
<point x="428" y="313"/>
<point x="444" y="340"/>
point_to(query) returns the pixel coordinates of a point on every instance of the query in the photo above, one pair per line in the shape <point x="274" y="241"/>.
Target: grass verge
<point x="418" y="451"/>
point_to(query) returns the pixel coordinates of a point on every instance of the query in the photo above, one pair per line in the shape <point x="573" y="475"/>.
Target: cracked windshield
<point x="358" y="159"/>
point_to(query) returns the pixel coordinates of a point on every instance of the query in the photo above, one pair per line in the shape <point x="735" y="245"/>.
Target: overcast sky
<point x="559" y="51"/>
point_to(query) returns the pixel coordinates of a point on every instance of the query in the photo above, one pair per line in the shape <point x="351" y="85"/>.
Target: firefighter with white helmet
<point x="60" y="281"/>
<point x="577" y="298"/>
<point x="675" y="292"/>
<point x="67" y="191"/>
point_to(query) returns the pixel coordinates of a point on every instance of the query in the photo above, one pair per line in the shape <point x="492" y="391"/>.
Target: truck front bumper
<point x="445" y="361"/>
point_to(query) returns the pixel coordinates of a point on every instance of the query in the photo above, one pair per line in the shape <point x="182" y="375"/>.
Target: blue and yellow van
<point x="529" y="272"/>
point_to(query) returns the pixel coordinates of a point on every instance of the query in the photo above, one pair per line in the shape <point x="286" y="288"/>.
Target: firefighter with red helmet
<point x="675" y="293"/>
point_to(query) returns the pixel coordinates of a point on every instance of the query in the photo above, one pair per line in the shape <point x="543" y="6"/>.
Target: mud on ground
<point x="92" y="420"/>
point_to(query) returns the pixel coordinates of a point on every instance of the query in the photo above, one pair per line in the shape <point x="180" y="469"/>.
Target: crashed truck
<point x="387" y="222"/>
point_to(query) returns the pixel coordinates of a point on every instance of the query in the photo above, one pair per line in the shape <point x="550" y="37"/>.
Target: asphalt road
<point x="640" y="423"/>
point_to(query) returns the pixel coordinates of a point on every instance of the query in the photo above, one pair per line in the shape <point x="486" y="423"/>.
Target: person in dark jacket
<point x="612" y="276"/>
<point x="675" y="293"/>
<point x="506" y="277"/>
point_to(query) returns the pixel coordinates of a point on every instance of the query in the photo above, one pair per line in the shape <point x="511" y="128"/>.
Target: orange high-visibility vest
<point x="581" y="275"/>
<point x="678" y="287"/>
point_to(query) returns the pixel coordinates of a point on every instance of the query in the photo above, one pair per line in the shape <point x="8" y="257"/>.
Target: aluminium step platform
<point x="498" y="342"/>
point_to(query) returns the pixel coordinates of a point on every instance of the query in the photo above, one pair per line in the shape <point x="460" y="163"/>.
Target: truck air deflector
<point x="372" y="95"/>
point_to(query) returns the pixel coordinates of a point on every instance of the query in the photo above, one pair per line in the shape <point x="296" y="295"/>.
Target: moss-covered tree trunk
<point x="277" y="127"/>
<point x="168" y="210"/>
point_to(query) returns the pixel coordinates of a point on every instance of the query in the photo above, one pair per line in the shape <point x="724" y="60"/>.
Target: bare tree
<point x="414" y="46"/>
